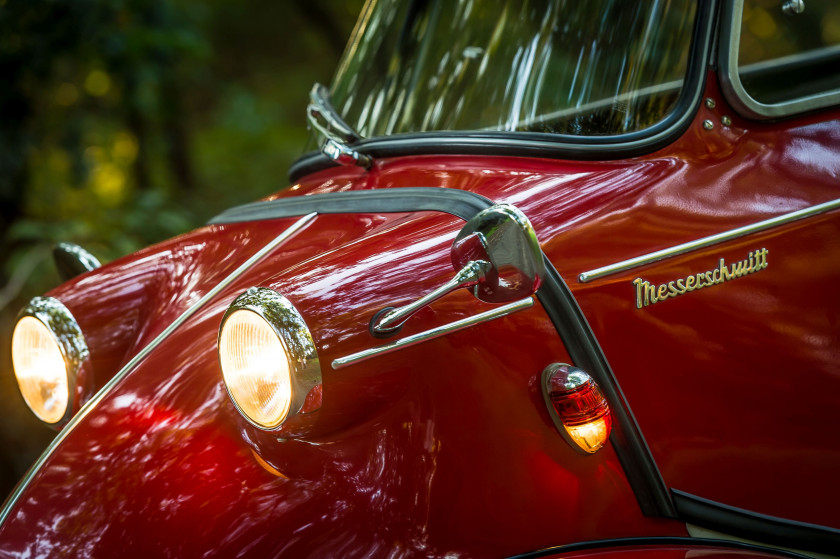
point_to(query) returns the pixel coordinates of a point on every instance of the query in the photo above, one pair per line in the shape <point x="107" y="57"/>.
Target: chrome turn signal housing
<point x="577" y="407"/>
<point x="268" y="358"/>
<point x="48" y="354"/>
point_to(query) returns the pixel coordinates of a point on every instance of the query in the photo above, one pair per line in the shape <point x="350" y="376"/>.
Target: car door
<point x="713" y="290"/>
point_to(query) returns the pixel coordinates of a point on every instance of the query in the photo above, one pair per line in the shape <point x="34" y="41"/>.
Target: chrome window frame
<point x="733" y="88"/>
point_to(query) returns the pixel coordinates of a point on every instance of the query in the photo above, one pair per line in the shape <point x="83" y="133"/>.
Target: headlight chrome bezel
<point x="68" y="336"/>
<point x="293" y="334"/>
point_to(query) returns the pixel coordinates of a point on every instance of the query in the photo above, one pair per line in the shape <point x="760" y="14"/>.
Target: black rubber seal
<point x="554" y="295"/>
<point x="392" y="200"/>
<point x="657" y="541"/>
<point x="586" y="353"/>
<point x="555" y="146"/>
<point x="755" y="526"/>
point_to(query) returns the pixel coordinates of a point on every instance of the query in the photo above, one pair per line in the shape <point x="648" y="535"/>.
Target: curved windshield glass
<point x="591" y="68"/>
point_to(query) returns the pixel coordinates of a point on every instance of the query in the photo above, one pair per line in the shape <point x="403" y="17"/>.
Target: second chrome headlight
<point x="267" y="356"/>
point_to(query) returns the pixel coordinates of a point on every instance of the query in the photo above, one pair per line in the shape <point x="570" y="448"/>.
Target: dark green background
<point x="124" y="122"/>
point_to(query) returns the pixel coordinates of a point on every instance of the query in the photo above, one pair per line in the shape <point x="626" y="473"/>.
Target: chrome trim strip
<point x="438" y="332"/>
<point x="92" y="403"/>
<point x="707" y="241"/>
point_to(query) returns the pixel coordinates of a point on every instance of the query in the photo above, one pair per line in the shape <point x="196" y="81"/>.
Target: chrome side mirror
<point x="503" y="236"/>
<point x="496" y="254"/>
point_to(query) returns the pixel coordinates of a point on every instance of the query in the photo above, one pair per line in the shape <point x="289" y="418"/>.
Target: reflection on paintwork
<point x="446" y="448"/>
<point x="395" y="468"/>
<point x="344" y="282"/>
<point x="126" y="305"/>
<point x="592" y="214"/>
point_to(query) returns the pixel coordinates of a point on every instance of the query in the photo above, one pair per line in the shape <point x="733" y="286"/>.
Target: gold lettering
<point x="724" y="271"/>
<point x="739" y="269"/>
<point x="649" y="293"/>
<point x="645" y="293"/>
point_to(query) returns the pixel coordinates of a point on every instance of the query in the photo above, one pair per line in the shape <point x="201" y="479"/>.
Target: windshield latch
<point x="338" y="135"/>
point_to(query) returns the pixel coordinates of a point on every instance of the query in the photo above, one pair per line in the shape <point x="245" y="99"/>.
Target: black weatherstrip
<point x="554" y="295"/>
<point x="754" y="526"/>
<point x="653" y="542"/>
<point x="555" y="146"/>
<point x="393" y="200"/>
<point x="585" y="351"/>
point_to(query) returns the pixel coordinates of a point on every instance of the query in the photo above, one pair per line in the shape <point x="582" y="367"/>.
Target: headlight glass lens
<point x="40" y="369"/>
<point x="256" y="368"/>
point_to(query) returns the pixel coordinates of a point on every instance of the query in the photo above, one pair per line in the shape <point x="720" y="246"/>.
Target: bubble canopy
<point x="596" y="68"/>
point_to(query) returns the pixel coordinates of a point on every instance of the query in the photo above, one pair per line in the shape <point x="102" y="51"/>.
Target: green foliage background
<point x="124" y="122"/>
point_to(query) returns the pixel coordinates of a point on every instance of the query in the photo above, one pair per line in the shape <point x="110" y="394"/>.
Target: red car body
<point x="720" y="361"/>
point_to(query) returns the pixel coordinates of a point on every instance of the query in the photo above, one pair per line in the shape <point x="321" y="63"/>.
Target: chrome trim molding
<point x="733" y="88"/>
<point x="438" y="332"/>
<point x="707" y="241"/>
<point x="291" y="329"/>
<point x="99" y="396"/>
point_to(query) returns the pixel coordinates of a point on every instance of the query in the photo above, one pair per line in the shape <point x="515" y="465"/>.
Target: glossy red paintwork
<point x="444" y="447"/>
<point x="734" y="386"/>
<point x="447" y="447"/>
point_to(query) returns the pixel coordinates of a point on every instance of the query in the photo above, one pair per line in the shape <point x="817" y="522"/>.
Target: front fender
<point x="439" y="448"/>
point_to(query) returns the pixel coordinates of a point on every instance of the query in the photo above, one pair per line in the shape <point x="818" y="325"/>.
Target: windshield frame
<point x="550" y="145"/>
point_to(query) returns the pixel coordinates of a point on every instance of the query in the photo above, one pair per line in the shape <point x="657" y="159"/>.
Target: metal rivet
<point x="708" y="124"/>
<point x="710" y="103"/>
<point x="726" y="121"/>
<point x="793" y="7"/>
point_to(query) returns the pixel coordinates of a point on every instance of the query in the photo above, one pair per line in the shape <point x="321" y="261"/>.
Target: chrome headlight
<point x="267" y="356"/>
<point x="48" y="351"/>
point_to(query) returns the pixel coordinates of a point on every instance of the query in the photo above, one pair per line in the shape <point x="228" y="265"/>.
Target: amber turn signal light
<point x="577" y="406"/>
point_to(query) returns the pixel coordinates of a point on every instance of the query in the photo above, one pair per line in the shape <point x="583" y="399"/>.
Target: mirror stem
<point x="389" y="320"/>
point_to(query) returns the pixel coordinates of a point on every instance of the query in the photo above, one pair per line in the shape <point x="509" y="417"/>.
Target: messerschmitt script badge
<point x="649" y="293"/>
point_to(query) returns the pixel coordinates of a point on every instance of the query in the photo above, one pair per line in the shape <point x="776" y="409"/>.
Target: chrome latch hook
<point x="338" y="135"/>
